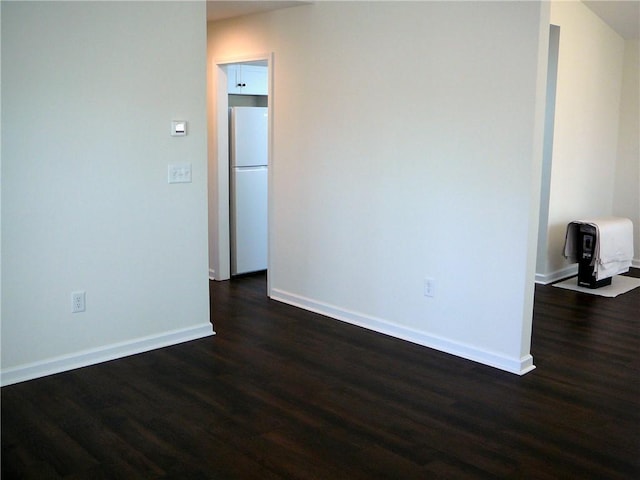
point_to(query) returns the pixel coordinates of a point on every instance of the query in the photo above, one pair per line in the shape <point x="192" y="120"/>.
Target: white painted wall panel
<point x="626" y="198"/>
<point x="406" y="144"/>
<point x="587" y="116"/>
<point x="89" y="90"/>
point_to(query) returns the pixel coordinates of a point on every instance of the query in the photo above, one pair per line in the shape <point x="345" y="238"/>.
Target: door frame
<point x="219" y="237"/>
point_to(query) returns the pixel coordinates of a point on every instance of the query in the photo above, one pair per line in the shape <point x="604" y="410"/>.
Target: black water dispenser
<point x="587" y="240"/>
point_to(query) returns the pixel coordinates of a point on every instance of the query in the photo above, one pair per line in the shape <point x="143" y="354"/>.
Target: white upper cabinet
<point x="247" y="80"/>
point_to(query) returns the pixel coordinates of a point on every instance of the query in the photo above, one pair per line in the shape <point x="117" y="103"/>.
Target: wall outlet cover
<point x="78" y="302"/>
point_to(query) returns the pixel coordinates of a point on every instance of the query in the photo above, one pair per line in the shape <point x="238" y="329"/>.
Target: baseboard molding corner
<point x="519" y="366"/>
<point x="526" y="365"/>
<point x="104" y="353"/>
<point x="212" y="274"/>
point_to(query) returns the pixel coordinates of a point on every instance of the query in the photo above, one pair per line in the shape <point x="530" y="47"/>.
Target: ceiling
<point x="621" y="15"/>
<point x="220" y="9"/>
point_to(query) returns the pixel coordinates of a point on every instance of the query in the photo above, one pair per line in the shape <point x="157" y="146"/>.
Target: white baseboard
<point x="513" y="365"/>
<point x="212" y="274"/>
<point x="105" y="353"/>
<point x="569" y="271"/>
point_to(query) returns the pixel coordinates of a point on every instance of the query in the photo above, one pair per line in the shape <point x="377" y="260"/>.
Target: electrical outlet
<point x="78" y="302"/>
<point x="429" y="287"/>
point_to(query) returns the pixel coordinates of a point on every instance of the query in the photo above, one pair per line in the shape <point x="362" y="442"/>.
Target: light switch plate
<point x="179" y="173"/>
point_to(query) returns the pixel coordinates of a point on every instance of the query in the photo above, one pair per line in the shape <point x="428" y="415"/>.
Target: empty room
<point x="424" y="162"/>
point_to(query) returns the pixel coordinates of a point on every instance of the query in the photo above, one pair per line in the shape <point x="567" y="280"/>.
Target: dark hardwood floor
<point x="282" y="393"/>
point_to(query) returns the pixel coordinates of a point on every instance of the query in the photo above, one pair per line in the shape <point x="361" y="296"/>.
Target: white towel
<point x="614" y="245"/>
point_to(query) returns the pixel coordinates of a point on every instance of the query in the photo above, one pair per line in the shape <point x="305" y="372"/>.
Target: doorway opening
<point x="243" y="86"/>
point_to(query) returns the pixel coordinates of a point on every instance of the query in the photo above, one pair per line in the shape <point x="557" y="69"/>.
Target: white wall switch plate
<point x="179" y="173"/>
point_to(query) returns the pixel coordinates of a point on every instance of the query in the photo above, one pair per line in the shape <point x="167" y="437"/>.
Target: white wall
<point x="399" y="153"/>
<point x="626" y="198"/>
<point x="585" y="141"/>
<point x="88" y="93"/>
<point x="547" y="157"/>
<point x="0" y="185"/>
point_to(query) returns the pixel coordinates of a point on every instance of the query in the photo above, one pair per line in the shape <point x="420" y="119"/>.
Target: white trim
<point x="256" y="57"/>
<point x="567" y="272"/>
<point x="212" y="274"/>
<point x="222" y="258"/>
<point x="545" y="279"/>
<point x="102" y="354"/>
<point x="513" y="365"/>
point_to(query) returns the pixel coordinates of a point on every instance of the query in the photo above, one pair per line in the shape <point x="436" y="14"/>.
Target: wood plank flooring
<point x="282" y="393"/>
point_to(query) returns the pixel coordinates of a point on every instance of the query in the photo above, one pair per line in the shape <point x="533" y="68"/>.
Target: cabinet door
<point x="253" y="80"/>
<point x="234" y="81"/>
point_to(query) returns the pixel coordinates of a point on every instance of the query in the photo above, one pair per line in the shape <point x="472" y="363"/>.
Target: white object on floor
<point x="614" y="245"/>
<point x="619" y="285"/>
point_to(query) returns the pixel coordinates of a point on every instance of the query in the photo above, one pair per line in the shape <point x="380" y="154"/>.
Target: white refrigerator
<point x="248" y="148"/>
